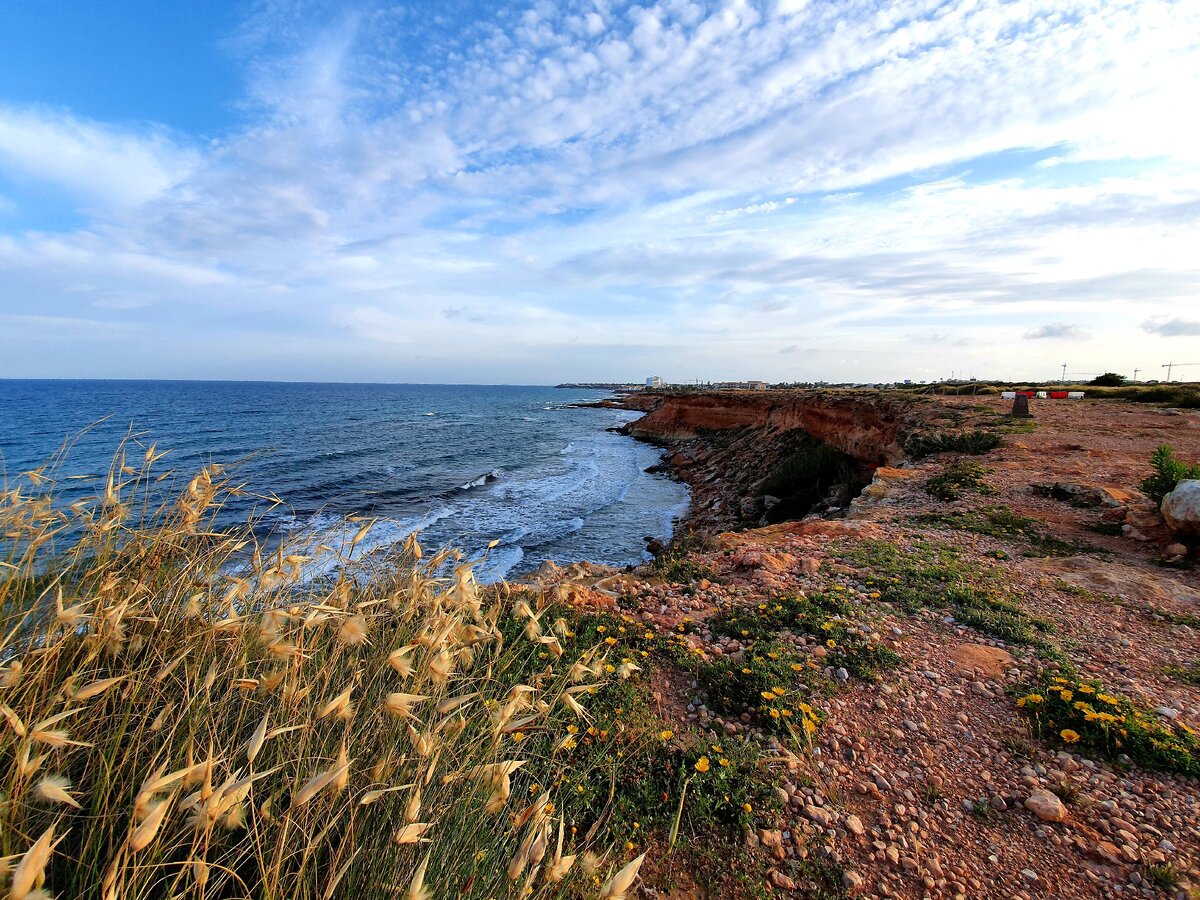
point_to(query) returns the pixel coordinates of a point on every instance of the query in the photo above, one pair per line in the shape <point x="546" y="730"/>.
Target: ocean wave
<point x="485" y="478"/>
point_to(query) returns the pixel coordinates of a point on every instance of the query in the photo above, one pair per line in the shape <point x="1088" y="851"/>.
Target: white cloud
<point x="614" y="175"/>
<point x="98" y="162"/>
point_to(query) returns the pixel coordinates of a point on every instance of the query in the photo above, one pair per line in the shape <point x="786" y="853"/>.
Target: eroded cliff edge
<point x="752" y="457"/>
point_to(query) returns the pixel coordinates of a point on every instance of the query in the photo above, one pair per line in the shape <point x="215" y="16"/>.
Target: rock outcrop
<point x="727" y="445"/>
<point x="868" y="427"/>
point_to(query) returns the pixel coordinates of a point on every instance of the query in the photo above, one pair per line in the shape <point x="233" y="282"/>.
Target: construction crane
<point x="1174" y="365"/>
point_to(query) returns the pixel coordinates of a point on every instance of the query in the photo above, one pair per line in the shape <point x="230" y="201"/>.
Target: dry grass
<point x="186" y="713"/>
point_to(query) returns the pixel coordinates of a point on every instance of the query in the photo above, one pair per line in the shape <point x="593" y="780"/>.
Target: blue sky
<point x="534" y="192"/>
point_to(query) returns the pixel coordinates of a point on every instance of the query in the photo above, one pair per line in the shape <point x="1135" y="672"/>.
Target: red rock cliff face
<point x="869" y="428"/>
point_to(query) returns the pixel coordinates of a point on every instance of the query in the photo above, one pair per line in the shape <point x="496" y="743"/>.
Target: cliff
<point x="868" y="427"/>
<point x="752" y="457"/>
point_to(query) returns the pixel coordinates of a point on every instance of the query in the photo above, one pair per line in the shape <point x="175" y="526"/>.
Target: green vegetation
<point x="1108" y="379"/>
<point x="1163" y="876"/>
<point x="1168" y="472"/>
<point x="677" y="563"/>
<point x="1180" y="396"/>
<point x="1081" y="714"/>
<point x="1002" y="522"/>
<point x="187" y="714"/>
<point x="769" y="680"/>
<point x="974" y="443"/>
<point x="1186" y="674"/>
<point x="926" y="575"/>
<point x="957" y="478"/>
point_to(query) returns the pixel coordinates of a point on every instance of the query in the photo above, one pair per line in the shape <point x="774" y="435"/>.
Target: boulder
<point x="1046" y="806"/>
<point x="1181" y="508"/>
<point x="991" y="661"/>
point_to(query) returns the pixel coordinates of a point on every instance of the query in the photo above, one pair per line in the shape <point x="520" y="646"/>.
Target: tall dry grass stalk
<point x="185" y="713"/>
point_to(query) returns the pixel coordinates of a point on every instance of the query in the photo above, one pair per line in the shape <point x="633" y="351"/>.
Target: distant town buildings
<point x="740" y="385"/>
<point x="654" y="381"/>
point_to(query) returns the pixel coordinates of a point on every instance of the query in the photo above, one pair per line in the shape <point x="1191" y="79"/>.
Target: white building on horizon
<point x="654" y="381"/>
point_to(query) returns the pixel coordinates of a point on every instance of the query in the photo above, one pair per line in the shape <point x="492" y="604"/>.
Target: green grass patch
<point x="677" y="563"/>
<point x="959" y="478"/>
<point x="1186" y="674"/>
<point x="975" y="442"/>
<point x="1001" y="522"/>
<point x="927" y="575"/>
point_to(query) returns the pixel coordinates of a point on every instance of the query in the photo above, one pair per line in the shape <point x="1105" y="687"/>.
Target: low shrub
<point x="974" y="443"/>
<point x="1168" y="472"/>
<point x="1080" y="714"/>
<point x="957" y="478"/>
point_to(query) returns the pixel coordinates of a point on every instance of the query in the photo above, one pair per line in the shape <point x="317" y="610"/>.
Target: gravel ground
<point x="928" y="782"/>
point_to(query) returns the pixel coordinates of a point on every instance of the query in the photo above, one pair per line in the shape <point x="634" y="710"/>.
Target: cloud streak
<point x="681" y="185"/>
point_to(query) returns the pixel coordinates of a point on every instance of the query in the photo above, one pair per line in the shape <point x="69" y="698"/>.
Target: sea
<point x="463" y="465"/>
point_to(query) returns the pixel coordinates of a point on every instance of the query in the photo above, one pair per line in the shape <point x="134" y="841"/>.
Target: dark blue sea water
<point x="464" y="465"/>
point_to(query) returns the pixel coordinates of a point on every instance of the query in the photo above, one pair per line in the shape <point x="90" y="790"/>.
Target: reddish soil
<point x="916" y="785"/>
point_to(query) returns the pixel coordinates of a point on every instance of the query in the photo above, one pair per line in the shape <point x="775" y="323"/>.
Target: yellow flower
<point x="702" y="764"/>
<point x="747" y="807"/>
<point x="774" y="714"/>
<point x="1109" y="699"/>
<point x="1086" y="689"/>
<point x="601" y="629"/>
<point x="1068" y="735"/>
<point x="724" y="762"/>
<point x="778" y="691"/>
<point x="797" y="667"/>
<point x="610" y="640"/>
<point x="831" y="643"/>
<point x="666" y="735"/>
<point x="1066" y="695"/>
<point x="767" y="695"/>
<point x="1034" y="698"/>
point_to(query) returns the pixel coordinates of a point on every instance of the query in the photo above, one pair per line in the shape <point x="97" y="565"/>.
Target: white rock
<point x="1046" y="806"/>
<point x="1181" y="508"/>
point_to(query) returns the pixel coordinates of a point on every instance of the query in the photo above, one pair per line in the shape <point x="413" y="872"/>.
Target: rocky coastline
<point x="945" y="591"/>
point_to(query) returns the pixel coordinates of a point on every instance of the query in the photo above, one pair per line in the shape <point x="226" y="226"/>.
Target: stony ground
<point x="925" y="780"/>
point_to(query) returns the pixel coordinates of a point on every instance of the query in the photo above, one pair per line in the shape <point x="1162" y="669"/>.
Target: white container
<point x="1009" y="395"/>
<point x="1041" y="395"/>
<point x="1074" y="395"/>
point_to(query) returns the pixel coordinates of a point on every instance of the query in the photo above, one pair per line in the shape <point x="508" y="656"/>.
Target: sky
<point x="791" y="190"/>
